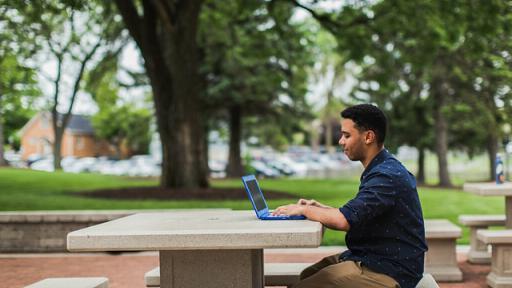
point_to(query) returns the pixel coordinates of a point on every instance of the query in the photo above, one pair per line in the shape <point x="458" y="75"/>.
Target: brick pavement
<point x="127" y="270"/>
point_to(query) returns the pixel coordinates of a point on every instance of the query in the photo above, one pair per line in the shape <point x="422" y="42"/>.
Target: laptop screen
<point x="256" y="195"/>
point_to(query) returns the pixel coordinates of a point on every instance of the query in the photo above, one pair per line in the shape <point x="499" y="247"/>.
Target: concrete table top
<point x="489" y="188"/>
<point x="226" y="246"/>
<point x="495" y="236"/>
<point x="441" y="228"/>
<point x="493" y="189"/>
<point x="195" y="230"/>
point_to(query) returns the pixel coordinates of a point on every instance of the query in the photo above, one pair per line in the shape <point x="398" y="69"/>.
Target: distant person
<point x="384" y="222"/>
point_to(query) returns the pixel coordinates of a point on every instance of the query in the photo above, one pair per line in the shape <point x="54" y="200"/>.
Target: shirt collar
<point x="379" y="158"/>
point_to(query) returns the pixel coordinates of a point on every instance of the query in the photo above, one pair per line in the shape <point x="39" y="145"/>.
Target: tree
<point x="432" y="55"/>
<point x="18" y="88"/>
<point x="17" y="80"/>
<point x="257" y="69"/>
<point x="485" y="74"/>
<point x="124" y="125"/>
<point x="165" y="32"/>
<point x="74" y="36"/>
<point x="121" y="124"/>
<point x="329" y="71"/>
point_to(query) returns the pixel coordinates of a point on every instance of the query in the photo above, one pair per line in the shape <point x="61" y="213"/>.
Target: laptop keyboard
<point x="282" y="217"/>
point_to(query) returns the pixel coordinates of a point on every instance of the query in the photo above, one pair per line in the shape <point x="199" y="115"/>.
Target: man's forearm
<point x="328" y="216"/>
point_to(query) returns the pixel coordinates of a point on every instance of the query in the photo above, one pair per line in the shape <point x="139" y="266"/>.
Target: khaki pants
<point x="331" y="273"/>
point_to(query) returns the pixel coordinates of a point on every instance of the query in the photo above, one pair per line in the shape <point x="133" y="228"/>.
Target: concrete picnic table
<point x="200" y="249"/>
<point x="493" y="189"/>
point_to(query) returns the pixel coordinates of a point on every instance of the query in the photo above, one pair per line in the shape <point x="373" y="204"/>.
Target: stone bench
<point x="283" y="274"/>
<point x="276" y="274"/>
<point x="82" y="282"/>
<point x="280" y="274"/>
<point x="46" y="231"/>
<point x="478" y="252"/>
<point x="501" y="261"/>
<point x="152" y="277"/>
<point x="441" y="257"/>
<point x="427" y="282"/>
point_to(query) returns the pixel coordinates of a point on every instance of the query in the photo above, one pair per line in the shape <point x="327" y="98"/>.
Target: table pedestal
<point x="441" y="260"/>
<point x="211" y="268"/>
<point x="478" y="252"/>
<point x="501" y="267"/>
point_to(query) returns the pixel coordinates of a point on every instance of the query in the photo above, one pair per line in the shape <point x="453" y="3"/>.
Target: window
<point x="80" y="143"/>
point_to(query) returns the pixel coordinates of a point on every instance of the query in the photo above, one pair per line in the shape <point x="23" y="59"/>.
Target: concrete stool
<point x="276" y="274"/>
<point x="427" y="282"/>
<point x="78" y="282"/>
<point x="283" y="274"/>
<point x="441" y="257"/>
<point x="280" y="274"/>
<point x="501" y="261"/>
<point x="152" y="277"/>
<point x="478" y="252"/>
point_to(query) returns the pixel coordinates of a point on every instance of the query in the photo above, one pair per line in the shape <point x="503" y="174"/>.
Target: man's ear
<point x="370" y="137"/>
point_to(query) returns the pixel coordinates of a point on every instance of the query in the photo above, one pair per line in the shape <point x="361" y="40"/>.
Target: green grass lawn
<point x="33" y="190"/>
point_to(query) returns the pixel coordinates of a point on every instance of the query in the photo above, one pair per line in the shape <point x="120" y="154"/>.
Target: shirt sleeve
<point x="376" y="196"/>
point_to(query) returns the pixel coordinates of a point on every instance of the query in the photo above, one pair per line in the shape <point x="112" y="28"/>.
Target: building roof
<point x="78" y="124"/>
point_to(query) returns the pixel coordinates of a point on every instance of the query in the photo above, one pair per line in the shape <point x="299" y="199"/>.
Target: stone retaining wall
<point x="46" y="231"/>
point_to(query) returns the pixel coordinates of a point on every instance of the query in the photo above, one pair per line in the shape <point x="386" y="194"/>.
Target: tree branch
<point x="56" y="94"/>
<point x="166" y="12"/>
<point x="328" y="23"/>
<point x="131" y="18"/>
<point x="78" y="80"/>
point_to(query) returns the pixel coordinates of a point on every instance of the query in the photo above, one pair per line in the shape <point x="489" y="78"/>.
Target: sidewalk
<point x="126" y="270"/>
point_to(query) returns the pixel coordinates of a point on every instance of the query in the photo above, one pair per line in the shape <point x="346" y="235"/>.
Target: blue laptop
<point x="258" y="201"/>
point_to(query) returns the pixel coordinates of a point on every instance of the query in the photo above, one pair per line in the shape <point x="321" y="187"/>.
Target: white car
<point x="43" y="165"/>
<point x="80" y="165"/>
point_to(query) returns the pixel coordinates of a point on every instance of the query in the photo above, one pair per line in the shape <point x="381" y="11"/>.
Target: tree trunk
<point x="420" y="177"/>
<point x="205" y="148"/>
<point x="2" y="159"/>
<point x="493" y="126"/>
<point x="235" y="168"/>
<point x="441" y="128"/>
<point x="442" y="148"/>
<point x="315" y="136"/>
<point x="166" y="37"/>
<point x="492" y="149"/>
<point x="57" y="147"/>
<point x="328" y="136"/>
<point x="117" y="147"/>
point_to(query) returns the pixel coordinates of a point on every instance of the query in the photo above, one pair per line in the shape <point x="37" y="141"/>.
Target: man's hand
<point x="316" y="211"/>
<point x="291" y="209"/>
<point x="311" y="202"/>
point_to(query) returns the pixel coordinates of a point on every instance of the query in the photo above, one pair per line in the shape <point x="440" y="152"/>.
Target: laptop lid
<point x="255" y="195"/>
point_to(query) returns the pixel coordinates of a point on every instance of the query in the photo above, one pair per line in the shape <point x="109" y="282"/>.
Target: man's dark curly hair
<point x="367" y="117"/>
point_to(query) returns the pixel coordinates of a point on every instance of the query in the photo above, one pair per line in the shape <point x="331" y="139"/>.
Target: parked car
<point x="79" y="165"/>
<point x="145" y="166"/>
<point x="45" y="164"/>
<point x="263" y="170"/>
<point x="217" y="168"/>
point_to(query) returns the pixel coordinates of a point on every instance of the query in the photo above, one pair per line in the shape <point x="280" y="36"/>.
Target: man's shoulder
<point x="390" y="168"/>
<point x="389" y="165"/>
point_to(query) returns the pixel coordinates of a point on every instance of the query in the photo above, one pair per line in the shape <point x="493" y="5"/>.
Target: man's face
<point x="352" y="141"/>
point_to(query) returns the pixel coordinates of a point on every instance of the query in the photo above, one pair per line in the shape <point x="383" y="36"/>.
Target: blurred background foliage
<point x="276" y="71"/>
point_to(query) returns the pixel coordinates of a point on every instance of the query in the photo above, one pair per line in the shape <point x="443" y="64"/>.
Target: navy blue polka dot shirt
<point x="387" y="233"/>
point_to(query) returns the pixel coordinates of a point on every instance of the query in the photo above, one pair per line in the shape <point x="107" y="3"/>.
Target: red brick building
<point x="78" y="140"/>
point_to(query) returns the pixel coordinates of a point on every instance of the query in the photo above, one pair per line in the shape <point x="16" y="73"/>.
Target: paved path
<point x="127" y="270"/>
